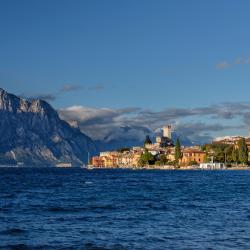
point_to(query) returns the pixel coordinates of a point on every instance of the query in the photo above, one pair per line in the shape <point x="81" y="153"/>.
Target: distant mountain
<point x="184" y="140"/>
<point x="31" y="132"/>
<point x="117" y="143"/>
<point x="123" y="137"/>
<point x="126" y="140"/>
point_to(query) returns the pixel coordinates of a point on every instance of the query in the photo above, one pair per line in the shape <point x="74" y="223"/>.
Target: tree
<point x="146" y="158"/>
<point x="162" y="160"/>
<point x="219" y="155"/>
<point x="147" y="140"/>
<point x="228" y="154"/>
<point x="235" y="155"/>
<point x="178" y="154"/>
<point x="193" y="163"/>
<point x="243" y="151"/>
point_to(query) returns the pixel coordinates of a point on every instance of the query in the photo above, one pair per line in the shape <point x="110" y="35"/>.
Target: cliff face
<point x="32" y="132"/>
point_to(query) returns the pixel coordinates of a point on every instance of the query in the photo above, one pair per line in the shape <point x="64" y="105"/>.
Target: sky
<point x="138" y="64"/>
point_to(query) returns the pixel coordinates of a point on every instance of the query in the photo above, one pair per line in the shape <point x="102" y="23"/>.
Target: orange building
<point x="98" y="162"/>
<point x="192" y="155"/>
<point x="106" y="159"/>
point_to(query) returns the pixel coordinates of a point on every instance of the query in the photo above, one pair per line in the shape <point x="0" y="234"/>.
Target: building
<point x="212" y="165"/>
<point x="115" y="159"/>
<point x="167" y="131"/>
<point x="229" y="140"/>
<point x="162" y="141"/>
<point x="192" y="154"/>
<point x="170" y="153"/>
<point x="106" y="159"/>
<point x="98" y="162"/>
<point x="233" y="140"/>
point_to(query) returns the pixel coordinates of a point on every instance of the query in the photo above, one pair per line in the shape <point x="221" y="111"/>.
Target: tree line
<point x="216" y="152"/>
<point x="231" y="154"/>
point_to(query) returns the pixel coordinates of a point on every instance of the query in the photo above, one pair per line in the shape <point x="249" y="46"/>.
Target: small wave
<point x="26" y="247"/>
<point x="16" y="247"/>
<point x="7" y="196"/>
<point x="91" y="246"/>
<point x="13" y="231"/>
<point x="64" y="209"/>
<point x="88" y="182"/>
<point x="109" y="206"/>
<point x="4" y="209"/>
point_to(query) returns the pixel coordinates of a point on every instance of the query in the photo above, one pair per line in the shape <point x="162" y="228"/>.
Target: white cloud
<point x="131" y="122"/>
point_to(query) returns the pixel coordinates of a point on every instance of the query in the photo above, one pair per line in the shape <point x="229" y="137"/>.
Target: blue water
<point x="121" y="209"/>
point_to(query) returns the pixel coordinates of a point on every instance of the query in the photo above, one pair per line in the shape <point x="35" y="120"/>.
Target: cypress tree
<point x="178" y="154"/>
<point x="243" y="151"/>
<point x="235" y="155"/>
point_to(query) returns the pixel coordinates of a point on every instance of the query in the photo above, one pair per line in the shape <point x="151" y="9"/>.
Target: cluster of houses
<point x="163" y="146"/>
<point x="130" y="158"/>
<point x="114" y="159"/>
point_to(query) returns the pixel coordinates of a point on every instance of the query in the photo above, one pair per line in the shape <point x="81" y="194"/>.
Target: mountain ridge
<point x="33" y="133"/>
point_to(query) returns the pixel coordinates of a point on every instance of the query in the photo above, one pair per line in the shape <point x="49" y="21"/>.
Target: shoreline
<point x="170" y="168"/>
<point x="192" y="168"/>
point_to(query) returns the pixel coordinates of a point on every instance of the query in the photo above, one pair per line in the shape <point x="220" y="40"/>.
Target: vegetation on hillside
<point x="231" y="154"/>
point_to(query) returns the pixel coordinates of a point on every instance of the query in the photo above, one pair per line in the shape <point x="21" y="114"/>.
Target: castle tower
<point x="249" y="132"/>
<point x="167" y="131"/>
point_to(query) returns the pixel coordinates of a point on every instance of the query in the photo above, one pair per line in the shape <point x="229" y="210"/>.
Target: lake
<point x="53" y="208"/>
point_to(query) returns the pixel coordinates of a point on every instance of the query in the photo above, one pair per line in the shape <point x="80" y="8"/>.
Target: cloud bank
<point x="132" y="122"/>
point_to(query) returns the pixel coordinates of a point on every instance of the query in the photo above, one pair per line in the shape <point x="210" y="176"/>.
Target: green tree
<point x="177" y="154"/>
<point x="162" y="160"/>
<point x="243" y="151"/>
<point x="146" y="159"/>
<point x="147" y="140"/>
<point x="219" y="155"/>
<point x="192" y="163"/>
<point x="228" y="154"/>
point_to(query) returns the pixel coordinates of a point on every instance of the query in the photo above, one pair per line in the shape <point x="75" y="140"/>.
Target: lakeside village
<point x="225" y="152"/>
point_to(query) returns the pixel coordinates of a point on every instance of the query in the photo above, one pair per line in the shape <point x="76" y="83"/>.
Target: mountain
<point x="127" y="139"/>
<point x="184" y="140"/>
<point x="118" y="143"/>
<point x="123" y="137"/>
<point x="32" y="133"/>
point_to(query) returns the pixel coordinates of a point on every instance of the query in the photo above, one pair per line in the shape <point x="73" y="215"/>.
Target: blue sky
<point x="153" y="55"/>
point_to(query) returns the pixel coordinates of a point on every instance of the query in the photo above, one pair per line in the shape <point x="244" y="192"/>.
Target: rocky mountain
<point x="32" y="133"/>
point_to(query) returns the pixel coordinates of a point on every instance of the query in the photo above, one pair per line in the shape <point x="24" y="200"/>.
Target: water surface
<point x="124" y="209"/>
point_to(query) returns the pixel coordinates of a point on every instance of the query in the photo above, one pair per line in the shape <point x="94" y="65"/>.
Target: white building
<point x="212" y="165"/>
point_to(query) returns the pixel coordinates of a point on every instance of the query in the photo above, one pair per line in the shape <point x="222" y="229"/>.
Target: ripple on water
<point x="122" y="209"/>
<point x="13" y="231"/>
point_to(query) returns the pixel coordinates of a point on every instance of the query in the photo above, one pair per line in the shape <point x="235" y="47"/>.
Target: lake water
<point x="54" y="208"/>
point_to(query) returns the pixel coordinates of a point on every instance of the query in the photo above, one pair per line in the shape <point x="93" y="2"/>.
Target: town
<point x="224" y="152"/>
